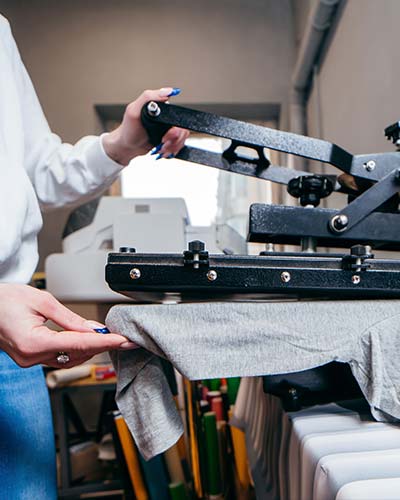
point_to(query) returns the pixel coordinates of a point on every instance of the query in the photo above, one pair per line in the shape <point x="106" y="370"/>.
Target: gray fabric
<point x="209" y="340"/>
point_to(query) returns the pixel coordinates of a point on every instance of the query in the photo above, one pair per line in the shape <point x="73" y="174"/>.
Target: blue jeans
<point x="27" y="450"/>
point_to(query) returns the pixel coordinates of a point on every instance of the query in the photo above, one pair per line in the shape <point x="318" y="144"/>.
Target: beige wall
<point x="84" y="52"/>
<point x="355" y="90"/>
<point x="359" y="78"/>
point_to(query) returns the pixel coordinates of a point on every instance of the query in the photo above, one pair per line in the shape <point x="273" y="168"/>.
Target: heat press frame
<point x="370" y="219"/>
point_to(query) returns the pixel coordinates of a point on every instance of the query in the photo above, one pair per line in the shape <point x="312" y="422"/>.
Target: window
<point x="197" y="184"/>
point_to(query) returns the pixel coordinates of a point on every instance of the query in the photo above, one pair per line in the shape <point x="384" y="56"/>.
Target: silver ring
<point x="62" y="358"/>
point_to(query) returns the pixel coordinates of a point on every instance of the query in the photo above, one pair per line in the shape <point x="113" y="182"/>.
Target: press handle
<point x="154" y="128"/>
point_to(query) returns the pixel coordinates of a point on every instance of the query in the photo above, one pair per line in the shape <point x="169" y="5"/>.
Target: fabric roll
<point x="296" y="425"/>
<point x="220" y="340"/>
<point x="370" y="490"/>
<point x="303" y="428"/>
<point x="334" y="471"/>
<point x="368" y="438"/>
<point x="58" y="378"/>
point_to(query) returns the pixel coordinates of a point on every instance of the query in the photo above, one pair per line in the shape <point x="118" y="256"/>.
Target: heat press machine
<point x="369" y="221"/>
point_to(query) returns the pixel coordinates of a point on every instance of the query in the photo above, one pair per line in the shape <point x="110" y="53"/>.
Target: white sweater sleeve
<point x="60" y="173"/>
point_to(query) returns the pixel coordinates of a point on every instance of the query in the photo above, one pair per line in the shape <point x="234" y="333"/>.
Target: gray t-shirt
<point x="226" y="339"/>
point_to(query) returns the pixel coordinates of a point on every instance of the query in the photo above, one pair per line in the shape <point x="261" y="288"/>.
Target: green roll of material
<point x="206" y="383"/>
<point x="177" y="491"/>
<point x="233" y="387"/>
<point x="215" y="384"/>
<point x="212" y="454"/>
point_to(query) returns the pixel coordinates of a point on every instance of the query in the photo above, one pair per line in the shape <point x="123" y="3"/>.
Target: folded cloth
<point x="226" y="339"/>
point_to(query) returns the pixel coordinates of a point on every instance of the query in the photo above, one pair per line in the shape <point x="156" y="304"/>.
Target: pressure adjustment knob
<point x="196" y="246"/>
<point x="310" y="189"/>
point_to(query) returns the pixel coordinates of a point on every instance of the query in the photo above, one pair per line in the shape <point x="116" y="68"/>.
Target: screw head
<point x="135" y="273"/>
<point x="355" y="279"/>
<point x="285" y="277"/>
<point x="370" y="165"/>
<point x="212" y="275"/>
<point x="153" y="109"/>
<point x="339" y="223"/>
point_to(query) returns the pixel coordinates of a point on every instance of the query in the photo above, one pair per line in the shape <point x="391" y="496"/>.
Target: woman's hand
<point x="24" y="336"/>
<point x="130" y="138"/>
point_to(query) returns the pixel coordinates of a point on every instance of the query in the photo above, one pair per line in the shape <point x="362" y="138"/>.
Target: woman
<point x="38" y="171"/>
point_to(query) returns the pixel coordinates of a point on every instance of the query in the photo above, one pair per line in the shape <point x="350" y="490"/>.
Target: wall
<point x="84" y="52"/>
<point x="358" y="80"/>
<point x="354" y="96"/>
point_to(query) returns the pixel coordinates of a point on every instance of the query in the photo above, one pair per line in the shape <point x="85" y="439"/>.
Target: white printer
<point x="150" y="225"/>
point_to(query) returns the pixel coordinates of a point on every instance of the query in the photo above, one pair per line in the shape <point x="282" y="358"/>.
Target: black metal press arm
<point x="366" y="222"/>
<point x="158" y="117"/>
<point x="381" y="172"/>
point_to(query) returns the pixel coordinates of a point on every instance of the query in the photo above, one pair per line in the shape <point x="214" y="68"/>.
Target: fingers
<point x="348" y="181"/>
<point x="162" y="95"/>
<point x="50" y="308"/>
<point x="82" y="342"/>
<point x="43" y="345"/>
<point x="173" y="142"/>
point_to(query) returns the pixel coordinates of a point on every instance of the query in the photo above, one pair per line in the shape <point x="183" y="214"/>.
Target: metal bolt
<point x="135" y="273"/>
<point x="339" y="223"/>
<point x="153" y="109"/>
<point x="196" y="246"/>
<point x="355" y="279"/>
<point x="361" y="251"/>
<point x="370" y="165"/>
<point x="285" y="277"/>
<point x="212" y="275"/>
<point x="127" y="250"/>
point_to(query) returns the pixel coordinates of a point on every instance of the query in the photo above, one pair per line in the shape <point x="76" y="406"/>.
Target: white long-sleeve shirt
<point x="36" y="169"/>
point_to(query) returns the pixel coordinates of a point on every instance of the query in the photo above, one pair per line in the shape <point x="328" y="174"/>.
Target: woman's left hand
<point x="130" y="139"/>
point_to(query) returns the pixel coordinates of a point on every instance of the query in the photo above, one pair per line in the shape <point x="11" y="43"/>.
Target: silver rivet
<point x="135" y="273"/>
<point x="285" y="277"/>
<point x="370" y="165"/>
<point x="212" y="275"/>
<point x="356" y="279"/>
<point x="339" y="222"/>
<point x="153" y="109"/>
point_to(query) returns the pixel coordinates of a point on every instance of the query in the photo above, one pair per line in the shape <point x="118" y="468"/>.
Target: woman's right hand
<point x="25" y="337"/>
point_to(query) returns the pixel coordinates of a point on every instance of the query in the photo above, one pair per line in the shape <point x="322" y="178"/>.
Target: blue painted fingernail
<point x="157" y="149"/>
<point x="101" y="330"/>
<point x="171" y="156"/>
<point x="159" y="157"/>
<point x="175" y="91"/>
